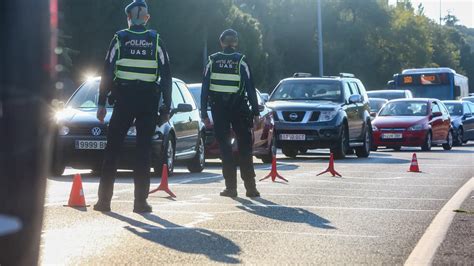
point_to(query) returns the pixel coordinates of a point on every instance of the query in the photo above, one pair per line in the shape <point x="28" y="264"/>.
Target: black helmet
<point x="229" y="36"/>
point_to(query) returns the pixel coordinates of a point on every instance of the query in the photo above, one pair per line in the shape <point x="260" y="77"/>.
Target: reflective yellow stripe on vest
<point x="223" y="88"/>
<point x="227" y="77"/>
<point x="137" y="63"/>
<point x="135" y="76"/>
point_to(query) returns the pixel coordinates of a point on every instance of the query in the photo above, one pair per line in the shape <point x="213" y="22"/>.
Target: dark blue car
<point x="81" y="138"/>
<point x="462" y="119"/>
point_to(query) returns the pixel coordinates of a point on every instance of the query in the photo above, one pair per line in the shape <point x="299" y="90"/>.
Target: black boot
<point x="251" y="188"/>
<point x="142" y="207"/>
<point x="252" y="193"/>
<point x="102" y="206"/>
<point x="232" y="193"/>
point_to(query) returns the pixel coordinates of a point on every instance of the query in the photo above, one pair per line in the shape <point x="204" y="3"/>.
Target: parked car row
<point x="416" y="122"/>
<point x="303" y="112"/>
<point x="81" y="138"/>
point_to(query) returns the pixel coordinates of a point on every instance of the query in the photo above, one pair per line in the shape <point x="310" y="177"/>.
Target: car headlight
<point x="132" y="132"/>
<point x="325" y="116"/>
<point x="416" y="127"/>
<point x="374" y="128"/>
<point x="63" y="131"/>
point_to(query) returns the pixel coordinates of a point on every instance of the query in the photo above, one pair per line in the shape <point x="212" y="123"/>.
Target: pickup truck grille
<point x="290" y="116"/>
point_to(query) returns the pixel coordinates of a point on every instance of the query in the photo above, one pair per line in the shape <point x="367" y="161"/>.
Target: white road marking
<point x="352" y="197"/>
<point x="287" y="206"/>
<point x="425" y="250"/>
<point x="159" y="227"/>
<point x="9" y="224"/>
<point x="373" y="184"/>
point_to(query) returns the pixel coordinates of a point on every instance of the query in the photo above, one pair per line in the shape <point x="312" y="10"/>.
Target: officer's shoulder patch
<point x="121" y="33"/>
<point x="212" y="56"/>
<point x="153" y="33"/>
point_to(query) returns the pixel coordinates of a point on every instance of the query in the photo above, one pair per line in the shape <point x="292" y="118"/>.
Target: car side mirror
<point x="265" y="97"/>
<point x="356" y="98"/>
<point x="182" y="108"/>
<point x="437" y="114"/>
<point x="373" y="114"/>
<point x="467" y="115"/>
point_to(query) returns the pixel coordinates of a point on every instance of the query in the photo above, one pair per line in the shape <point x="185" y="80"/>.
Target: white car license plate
<point x="90" y="144"/>
<point x="392" y="135"/>
<point x="292" y="137"/>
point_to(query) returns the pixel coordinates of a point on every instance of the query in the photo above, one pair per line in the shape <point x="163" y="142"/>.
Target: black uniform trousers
<point x="225" y="114"/>
<point x="139" y="104"/>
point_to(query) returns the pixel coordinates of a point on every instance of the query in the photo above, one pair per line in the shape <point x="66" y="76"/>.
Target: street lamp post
<point x="320" y="40"/>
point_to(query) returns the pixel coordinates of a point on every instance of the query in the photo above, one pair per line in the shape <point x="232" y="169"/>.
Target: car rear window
<point x="389" y="95"/>
<point x="308" y="90"/>
<point x="454" y="108"/>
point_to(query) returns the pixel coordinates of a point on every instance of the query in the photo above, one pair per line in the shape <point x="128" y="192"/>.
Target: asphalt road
<point x="374" y="214"/>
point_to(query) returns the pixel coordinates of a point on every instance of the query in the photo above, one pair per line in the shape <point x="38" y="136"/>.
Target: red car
<point x="412" y="122"/>
<point x="263" y="143"/>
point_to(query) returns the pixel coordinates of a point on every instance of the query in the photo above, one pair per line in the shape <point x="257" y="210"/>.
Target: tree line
<point x="369" y="38"/>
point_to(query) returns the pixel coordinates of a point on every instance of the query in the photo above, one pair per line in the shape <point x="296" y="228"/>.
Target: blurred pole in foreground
<point x="320" y="40"/>
<point x="26" y="72"/>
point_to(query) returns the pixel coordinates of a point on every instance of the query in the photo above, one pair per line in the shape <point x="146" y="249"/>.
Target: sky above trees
<point x="462" y="9"/>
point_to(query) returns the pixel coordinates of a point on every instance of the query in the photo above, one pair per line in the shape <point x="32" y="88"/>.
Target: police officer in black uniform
<point x="228" y="88"/>
<point x="136" y="74"/>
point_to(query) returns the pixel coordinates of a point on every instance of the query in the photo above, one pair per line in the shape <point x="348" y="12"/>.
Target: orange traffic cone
<point x="274" y="173"/>
<point x="164" y="183"/>
<point x="414" y="165"/>
<point x="331" y="169"/>
<point x="76" y="197"/>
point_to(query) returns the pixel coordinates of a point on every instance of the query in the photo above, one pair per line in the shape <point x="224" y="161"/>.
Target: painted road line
<point x="249" y="206"/>
<point x="352" y="197"/>
<point x="429" y="243"/>
<point x="189" y="203"/>
<point x="373" y="184"/>
<point x="9" y="225"/>
<point x="156" y="227"/>
<point x="279" y="186"/>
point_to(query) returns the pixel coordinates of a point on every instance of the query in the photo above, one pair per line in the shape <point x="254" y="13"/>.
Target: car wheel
<point x="290" y="152"/>
<point x="196" y="164"/>
<point x="58" y="169"/>
<point x="427" y="145"/>
<point x="449" y="142"/>
<point x="340" y="150"/>
<point x="364" y="151"/>
<point x="167" y="157"/>
<point x="459" y="140"/>
<point x="269" y="156"/>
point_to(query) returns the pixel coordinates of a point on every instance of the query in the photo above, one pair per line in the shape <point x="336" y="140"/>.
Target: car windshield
<point x="405" y="109"/>
<point x="308" y="90"/>
<point x="196" y="92"/>
<point x="389" y="95"/>
<point x="86" y="96"/>
<point x="455" y="109"/>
